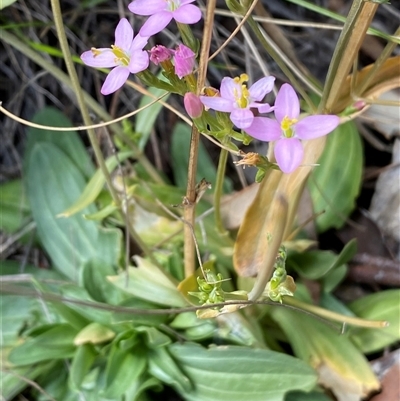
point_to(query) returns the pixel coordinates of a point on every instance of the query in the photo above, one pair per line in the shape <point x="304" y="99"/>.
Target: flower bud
<point x="184" y="61"/>
<point x="160" y="53"/>
<point x="193" y="105"/>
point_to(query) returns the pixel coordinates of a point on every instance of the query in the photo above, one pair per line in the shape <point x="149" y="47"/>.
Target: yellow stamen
<point x="286" y="125"/>
<point x="243" y="78"/>
<point x="121" y="56"/>
<point x="95" y="51"/>
<point x="242" y="100"/>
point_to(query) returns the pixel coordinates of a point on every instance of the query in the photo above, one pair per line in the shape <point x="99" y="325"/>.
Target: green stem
<point x="327" y="314"/>
<point x="219" y="183"/>
<point x="58" y="21"/>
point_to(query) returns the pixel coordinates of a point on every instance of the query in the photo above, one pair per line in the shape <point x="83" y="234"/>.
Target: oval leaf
<point x="232" y="373"/>
<point x="335" y="185"/>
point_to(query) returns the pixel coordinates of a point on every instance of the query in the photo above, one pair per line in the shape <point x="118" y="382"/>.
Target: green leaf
<point x="6" y="3"/>
<point x="335" y="185"/>
<point x="123" y="369"/>
<point x="148" y="282"/>
<point x="95" y="185"/>
<point x="94" y="280"/>
<point x="54" y="343"/>
<point x="146" y="118"/>
<point x="12" y="385"/>
<point x="75" y="319"/>
<point x="14" y="207"/>
<point x="317" y="264"/>
<point x="232" y="373"/>
<point x="94" y="333"/>
<point x="179" y="159"/>
<point x="153" y="337"/>
<point x="163" y="367"/>
<point x="340" y="365"/>
<point x="78" y="293"/>
<point x="54" y="182"/>
<point x="384" y="305"/>
<point x="16" y="312"/>
<point x="81" y="363"/>
<point x="313" y="264"/>
<point x="69" y="142"/>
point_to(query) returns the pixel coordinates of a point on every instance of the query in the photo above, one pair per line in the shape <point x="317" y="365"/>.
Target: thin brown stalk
<point x="189" y="213"/>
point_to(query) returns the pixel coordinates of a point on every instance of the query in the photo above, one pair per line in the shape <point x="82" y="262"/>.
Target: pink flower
<point x="162" y="12"/>
<point x="184" y="59"/>
<point x="287" y="130"/>
<point x="126" y="55"/>
<point x="193" y="105"/>
<point x="237" y="99"/>
<point x="160" y="53"/>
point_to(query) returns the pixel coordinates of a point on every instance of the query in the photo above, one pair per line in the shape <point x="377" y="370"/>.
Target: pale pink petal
<point x="288" y="154"/>
<point x="188" y="14"/>
<point x="193" y="105"/>
<point x="242" y="118"/>
<point x="123" y="34"/>
<point x="265" y="129"/>
<point x="103" y="58"/>
<point x="286" y="103"/>
<point x="262" y="107"/>
<point x="139" y="42"/>
<point x="183" y="2"/>
<point x="155" y="23"/>
<point x="184" y="60"/>
<point x="260" y="88"/>
<point x="228" y="89"/>
<point x="316" y="126"/>
<point x="217" y="103"/>
<point x="147" y="7"/>
<point x="115" y="79"/>
<point x="139" y="61"/>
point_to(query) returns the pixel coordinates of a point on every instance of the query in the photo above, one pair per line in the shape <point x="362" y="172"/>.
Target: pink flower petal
<point x="187" y="14"/>
<point x="288" y="154"/>
<point x="139" y="42"/>
<point x="123" y="34"/>
<point x="265" y="129"/>
<point x="184" y="2"/>
<point x="155" y="23"/>
<point x="242" y="118"/>
<point x="228" y="89"/>
<point x="217" y="103"/>
<point x="260" y="88"/>
<point x="262" y="107"/>
<point x="103" y="58"/>
<point x="185" y="60"/>
<point x="286" y="103"/>
<point x="147" y="7"/>
<point x="115" y="79"/>
<point x="139" y="61"/>
<point x="315" y="126"/>
<point x="193" y="105"/>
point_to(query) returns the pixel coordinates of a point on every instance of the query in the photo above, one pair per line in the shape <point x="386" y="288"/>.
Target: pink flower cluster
<point x="127" y="56"/>
<point x="183" y="56"/>
<point x="287" y="130"/>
